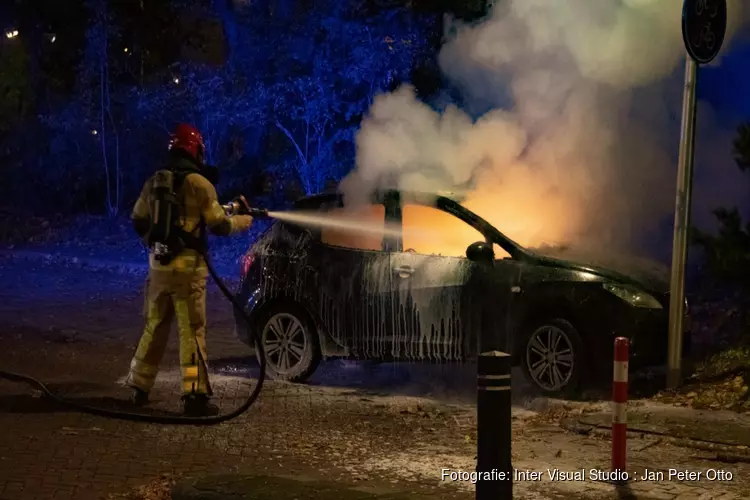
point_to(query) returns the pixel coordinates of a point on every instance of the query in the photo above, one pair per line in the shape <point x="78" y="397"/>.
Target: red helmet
<point x="187" y="138"/>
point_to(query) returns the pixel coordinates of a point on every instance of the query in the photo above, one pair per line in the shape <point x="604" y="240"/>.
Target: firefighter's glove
<point x="241" y="223"/>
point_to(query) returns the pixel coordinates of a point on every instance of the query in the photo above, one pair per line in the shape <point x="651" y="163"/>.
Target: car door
<point x="441" y="299"/>
<point x="354" y="280"/>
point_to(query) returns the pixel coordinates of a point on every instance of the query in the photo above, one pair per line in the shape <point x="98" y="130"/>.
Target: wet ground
<point x="392" y="425"/>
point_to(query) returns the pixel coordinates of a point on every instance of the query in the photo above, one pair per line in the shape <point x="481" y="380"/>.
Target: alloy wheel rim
<point x="550" y="358"/>
<point x="284" y="341"/>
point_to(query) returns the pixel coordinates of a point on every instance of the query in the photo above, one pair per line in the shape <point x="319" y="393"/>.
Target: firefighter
<point x="177" y="289"/>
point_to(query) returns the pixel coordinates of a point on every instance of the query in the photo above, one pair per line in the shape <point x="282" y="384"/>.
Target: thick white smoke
<point x="580" y="143"/>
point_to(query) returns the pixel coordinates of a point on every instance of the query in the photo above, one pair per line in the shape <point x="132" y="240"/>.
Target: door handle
<point x="404" y="271"/>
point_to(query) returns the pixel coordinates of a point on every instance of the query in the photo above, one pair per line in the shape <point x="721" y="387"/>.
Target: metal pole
<point x="495" y="472"/>
<point x="682" y="226"/>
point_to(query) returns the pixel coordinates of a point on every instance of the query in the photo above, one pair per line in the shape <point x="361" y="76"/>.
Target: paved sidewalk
<point x="722" y="428"/>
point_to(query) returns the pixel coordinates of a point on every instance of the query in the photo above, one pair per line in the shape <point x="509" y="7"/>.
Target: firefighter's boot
<point x="139" y="397"/>
<point x="197" y="405"/>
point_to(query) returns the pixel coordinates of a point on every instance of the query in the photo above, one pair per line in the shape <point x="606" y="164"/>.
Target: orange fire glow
<point x="427" y="230"/>
<point x="524" y="216"/>
<point x="527" y="217"/>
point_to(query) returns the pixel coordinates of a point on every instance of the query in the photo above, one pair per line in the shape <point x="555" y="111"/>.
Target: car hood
<point x="651" y="275"/>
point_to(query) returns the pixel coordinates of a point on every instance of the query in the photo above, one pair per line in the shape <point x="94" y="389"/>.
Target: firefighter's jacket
<point x="198" y="199"/>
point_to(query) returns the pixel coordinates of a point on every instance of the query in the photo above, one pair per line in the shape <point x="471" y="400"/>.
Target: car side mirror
<point x="481" y="252"/>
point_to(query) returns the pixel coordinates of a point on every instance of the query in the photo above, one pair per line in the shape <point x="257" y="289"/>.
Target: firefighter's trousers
<point x="173" y="294"/>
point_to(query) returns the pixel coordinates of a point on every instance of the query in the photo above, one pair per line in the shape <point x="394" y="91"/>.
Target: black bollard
<point x="495" y="472"/>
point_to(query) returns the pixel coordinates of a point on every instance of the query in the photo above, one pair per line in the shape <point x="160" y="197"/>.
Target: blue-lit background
<point x="279" y="88"/>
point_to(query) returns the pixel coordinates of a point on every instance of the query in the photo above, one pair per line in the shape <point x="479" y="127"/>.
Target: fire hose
<point x="237" y="206"/>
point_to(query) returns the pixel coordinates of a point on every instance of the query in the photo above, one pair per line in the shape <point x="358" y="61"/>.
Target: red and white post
<point x="620" y="404"/>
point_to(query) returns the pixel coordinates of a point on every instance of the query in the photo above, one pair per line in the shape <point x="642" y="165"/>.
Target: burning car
<point x="385" y="288"/>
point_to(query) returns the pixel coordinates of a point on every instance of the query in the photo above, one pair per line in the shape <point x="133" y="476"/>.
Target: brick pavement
<point x="47" y="453"/>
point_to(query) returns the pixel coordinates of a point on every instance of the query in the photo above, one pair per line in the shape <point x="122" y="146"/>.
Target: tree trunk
<point x="303" y="170"/>
<point x="142" y="48"/>
<point x="103" y="132"/>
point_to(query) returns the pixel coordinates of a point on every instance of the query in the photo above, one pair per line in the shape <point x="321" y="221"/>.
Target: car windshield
<point x="472" y="218"/>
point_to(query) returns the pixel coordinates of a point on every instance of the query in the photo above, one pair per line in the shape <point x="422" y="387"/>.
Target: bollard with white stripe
<point x="619" y="404"/>
<point x="495" y="481"/>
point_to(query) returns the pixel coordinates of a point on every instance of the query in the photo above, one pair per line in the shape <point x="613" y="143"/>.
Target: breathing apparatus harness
<point x="167" y="239"/>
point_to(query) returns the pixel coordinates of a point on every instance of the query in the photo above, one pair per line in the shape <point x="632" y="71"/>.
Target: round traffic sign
<point x="704" y="24"/>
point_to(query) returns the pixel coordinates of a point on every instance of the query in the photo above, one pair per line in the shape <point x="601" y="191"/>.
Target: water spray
<point x="240" y="206"/>
<point x="349" y="223"/>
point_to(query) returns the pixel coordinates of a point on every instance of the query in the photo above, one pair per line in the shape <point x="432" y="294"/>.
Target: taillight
<point x="247" y="261"/>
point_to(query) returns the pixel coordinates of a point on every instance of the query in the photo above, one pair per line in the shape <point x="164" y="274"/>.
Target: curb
<point x="723" y="452"/>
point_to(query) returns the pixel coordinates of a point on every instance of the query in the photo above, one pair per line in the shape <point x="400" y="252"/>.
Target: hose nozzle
<point x="258" y="213"/>
<point x="240" y="206"/>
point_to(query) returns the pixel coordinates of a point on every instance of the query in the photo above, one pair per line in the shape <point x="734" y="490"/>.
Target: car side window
<point x="364" y="227"/>
<point x="430" y="231"/>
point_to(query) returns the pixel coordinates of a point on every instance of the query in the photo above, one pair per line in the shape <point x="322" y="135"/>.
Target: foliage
<point x="319" y="107"/>
<point x="215" y="102"/>
<point x="727" y="253"/>
<point x="742" y="147"/>
<point x="278" y="89"/>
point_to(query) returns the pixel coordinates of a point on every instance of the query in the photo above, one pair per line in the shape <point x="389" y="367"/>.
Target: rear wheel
<point x="552" y="357"/>
<point x="290" y="342"/>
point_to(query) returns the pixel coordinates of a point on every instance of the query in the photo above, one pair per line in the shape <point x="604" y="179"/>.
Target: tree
<point x="278" y="88"/>
<point x="216" y="102"/>
<point x="728" y="252"/>
<point x="96" y="87"/>
<point x="319" y="106"/>
<point x="742" y="147"/>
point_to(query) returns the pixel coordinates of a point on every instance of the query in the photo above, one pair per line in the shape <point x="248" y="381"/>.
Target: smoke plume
<point x="578" y="129"/>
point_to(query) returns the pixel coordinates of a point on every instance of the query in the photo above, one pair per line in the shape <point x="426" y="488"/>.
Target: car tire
<point x="555" y="372"/>
<point x="290" y="343"/>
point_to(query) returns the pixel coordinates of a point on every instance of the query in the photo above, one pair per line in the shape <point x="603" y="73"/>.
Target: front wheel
<point x="552" y="357"/>
<point x="290" y="343"/>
